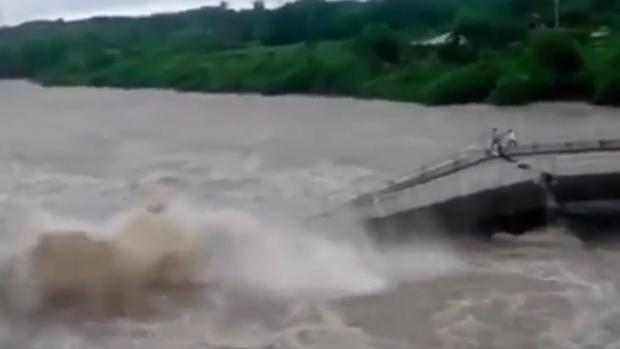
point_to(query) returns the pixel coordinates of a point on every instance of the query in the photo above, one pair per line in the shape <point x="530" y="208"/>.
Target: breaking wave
<point x="108" y="272"/>
<point x="115" y="266"/>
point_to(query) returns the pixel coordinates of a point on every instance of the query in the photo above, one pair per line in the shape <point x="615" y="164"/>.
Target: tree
<point x="561" y="59"/>
<point x="557" y="52"/>
<point x="259" y="5"/>
<point x="476" y="30"/>
<point x="9" y="66"/>
<point x="380" y="43"/>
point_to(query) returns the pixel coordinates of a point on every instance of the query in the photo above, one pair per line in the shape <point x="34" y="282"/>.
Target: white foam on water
<point x="276" y="259"/>
<point x="534" y="292"/>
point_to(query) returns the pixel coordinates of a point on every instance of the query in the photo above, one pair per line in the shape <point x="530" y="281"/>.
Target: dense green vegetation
<point x="498" y="51"/>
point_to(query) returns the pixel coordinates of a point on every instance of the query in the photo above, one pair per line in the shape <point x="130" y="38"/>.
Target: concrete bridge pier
<point x="514" y="209"/>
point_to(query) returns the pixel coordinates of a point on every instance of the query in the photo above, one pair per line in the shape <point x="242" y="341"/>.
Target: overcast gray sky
<point x="16" y="11"/>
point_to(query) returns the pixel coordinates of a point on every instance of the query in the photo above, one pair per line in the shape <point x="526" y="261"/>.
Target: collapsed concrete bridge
<point x="480" y="193"/>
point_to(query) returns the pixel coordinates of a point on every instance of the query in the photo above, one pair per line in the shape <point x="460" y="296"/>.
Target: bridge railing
<point x="477" y="156"/>
<point x="427" y="173"/>
<point x="565" y="147"/>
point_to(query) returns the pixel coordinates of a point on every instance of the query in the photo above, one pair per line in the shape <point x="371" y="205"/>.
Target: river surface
<point x="225" y="257"/>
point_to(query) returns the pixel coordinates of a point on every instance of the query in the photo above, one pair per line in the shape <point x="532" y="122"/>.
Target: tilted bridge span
<point x="481" y="193"/>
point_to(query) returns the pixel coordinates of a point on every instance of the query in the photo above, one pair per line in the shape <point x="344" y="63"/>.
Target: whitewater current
<point x="151" y="219"/>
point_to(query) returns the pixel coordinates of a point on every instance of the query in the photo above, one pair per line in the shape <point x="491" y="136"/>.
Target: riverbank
<point x="362" y="50"/>
<point x="549" y="66"/>
<point x="368" y="50"/>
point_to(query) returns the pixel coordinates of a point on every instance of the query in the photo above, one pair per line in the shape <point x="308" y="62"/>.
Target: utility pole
<point x="557" y="13"/>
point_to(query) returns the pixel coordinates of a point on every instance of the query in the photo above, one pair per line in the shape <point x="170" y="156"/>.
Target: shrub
<point x="9" y="63"/>
<point x="472" y="83"/>
<point x="557" y="52"/>
<point x="455" y="53"/>
<point x="484" y="31"/>
<point x="608" y="91"/>
<point x="379" y="43"/>
<point x="299" y="78"/>
<point x="520" y="89"/>
<point x="562" y="65"/>
<point x="571" y="87"/>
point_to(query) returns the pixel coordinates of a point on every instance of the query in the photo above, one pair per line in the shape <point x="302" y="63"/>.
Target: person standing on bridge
<point x="496" y="142"/>
<point x="501" y="141"/>
<point x="511" y="138"/>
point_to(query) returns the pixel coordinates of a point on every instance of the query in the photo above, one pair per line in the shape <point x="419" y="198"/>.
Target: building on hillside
<point x="441" y="39"/>
<point x="600" y="33"/>
<point x="536" y="22"/>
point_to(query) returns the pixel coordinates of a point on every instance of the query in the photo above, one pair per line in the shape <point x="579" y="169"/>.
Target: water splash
<point x="112" y="266"/>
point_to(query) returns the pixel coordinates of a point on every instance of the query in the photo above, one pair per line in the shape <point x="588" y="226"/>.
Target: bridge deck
<point x="431" y="184"/>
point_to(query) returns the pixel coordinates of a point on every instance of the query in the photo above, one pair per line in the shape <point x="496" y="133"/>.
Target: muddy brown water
<point x="238" y="175"/>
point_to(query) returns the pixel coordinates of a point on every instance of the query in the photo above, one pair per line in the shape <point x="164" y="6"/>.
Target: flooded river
<point x="151" y="219"/>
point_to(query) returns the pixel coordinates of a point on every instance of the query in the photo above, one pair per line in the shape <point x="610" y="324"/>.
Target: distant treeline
<point x="497" y="51"/>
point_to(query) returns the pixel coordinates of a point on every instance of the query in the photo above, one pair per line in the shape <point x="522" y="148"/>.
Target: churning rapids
<point x="151" y="219"/>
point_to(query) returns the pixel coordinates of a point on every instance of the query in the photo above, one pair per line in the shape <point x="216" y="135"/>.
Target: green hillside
<point x="497" y="51"/>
